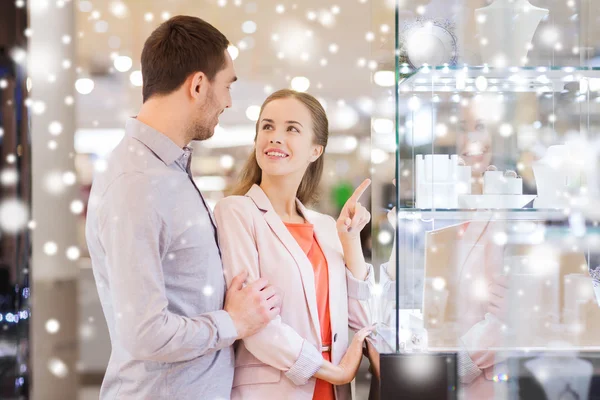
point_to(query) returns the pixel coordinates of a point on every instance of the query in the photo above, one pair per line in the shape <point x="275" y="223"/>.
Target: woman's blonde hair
<point x="307" y="191"/>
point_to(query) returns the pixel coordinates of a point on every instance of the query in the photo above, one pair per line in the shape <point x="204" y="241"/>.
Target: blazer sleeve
<point x="277" y="345"/>
<point x="475" y="354"/>
<point x="361" y="300"/>
<point x="361" y="293"/>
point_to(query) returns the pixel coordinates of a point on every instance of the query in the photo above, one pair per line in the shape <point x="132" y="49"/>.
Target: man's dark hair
<point x="179" y="47"/>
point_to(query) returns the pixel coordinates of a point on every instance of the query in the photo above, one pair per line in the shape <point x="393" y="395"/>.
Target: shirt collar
<point x="157" y="142"/>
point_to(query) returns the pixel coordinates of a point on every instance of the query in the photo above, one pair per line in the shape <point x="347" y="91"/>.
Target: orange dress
<point x="304" y="235"/>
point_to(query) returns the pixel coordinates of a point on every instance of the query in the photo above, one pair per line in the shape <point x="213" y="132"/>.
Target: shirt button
<point x="335" y="337"/>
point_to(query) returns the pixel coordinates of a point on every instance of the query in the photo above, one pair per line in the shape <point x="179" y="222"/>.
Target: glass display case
<point x="488" y="289"/>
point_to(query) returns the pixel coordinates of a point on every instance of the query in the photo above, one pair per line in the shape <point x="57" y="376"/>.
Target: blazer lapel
<point x="302" y="262"/>
<point x="470" y="238"/>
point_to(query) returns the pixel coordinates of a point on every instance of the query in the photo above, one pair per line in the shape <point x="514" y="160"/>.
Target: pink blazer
<point x="280" y="360"/>
<point x="480" y="331"/>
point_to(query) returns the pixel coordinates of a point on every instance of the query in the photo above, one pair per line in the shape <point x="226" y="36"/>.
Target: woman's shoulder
<point x="235" y="204"/>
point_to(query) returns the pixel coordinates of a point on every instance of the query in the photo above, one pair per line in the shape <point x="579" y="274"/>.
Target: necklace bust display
<point x="506" y="28"/>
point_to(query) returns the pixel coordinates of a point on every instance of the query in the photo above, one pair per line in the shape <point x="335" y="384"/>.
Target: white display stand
<point x="440" y="180"/>
<point x="556" y="175"/>
<point x="497" y="182"/>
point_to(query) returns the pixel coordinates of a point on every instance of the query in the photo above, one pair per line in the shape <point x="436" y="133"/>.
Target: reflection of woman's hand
<point x="391" y="215"/>
<point x="393" y="220"/>
<point x="373" y="356"/>
<point x="354" y="216"/>
<point x="498" y="299"/>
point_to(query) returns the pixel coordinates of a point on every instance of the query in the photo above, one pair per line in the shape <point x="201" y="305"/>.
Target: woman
<point x="318" y="264"/>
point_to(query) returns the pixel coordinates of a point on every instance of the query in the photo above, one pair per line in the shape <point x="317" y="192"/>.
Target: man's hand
<point x="251" y="307"/>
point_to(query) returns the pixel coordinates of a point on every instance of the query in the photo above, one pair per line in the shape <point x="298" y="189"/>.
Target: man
<point x="152" y="238"/>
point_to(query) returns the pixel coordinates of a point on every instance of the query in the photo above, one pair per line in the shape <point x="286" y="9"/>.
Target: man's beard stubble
<point x="203" y="129"/>
<point x="200" y="130"/>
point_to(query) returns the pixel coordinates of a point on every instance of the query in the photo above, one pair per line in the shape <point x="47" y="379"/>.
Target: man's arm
<point x="135" y="240"/>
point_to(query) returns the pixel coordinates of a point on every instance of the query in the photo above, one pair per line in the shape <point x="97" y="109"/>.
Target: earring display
<point x="501" y="189"/>
<point x="502" y="182"/>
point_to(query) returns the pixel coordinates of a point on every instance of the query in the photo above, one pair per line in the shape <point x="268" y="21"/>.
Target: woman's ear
<point x="316" y="153"/>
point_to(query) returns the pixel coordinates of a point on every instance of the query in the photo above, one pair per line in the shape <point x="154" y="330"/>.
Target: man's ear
<point x="197" y="84"/>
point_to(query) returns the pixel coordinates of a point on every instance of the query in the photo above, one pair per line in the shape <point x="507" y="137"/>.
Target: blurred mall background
<point x="75" y="71"/>
<point x="328" y="49"/>
<point x="76" y="66"/>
